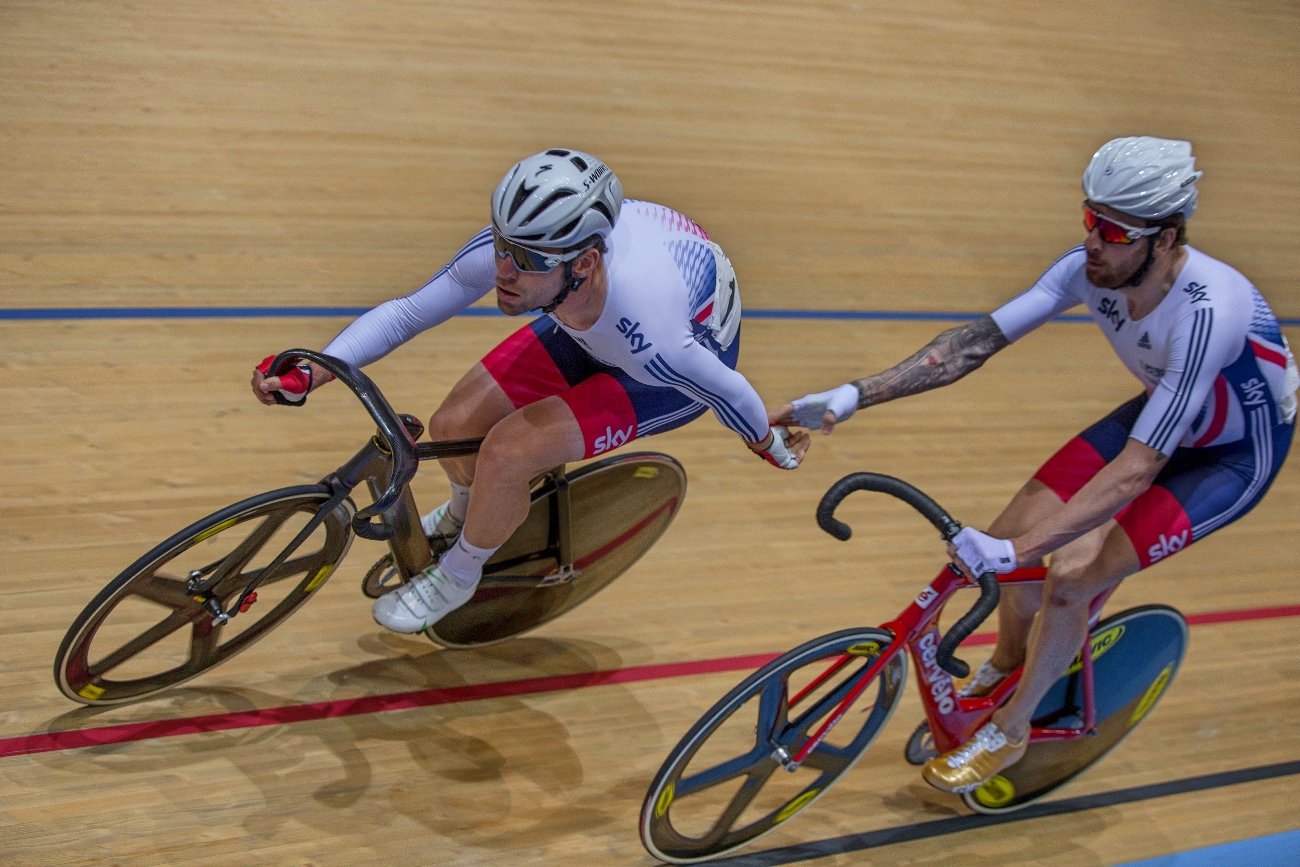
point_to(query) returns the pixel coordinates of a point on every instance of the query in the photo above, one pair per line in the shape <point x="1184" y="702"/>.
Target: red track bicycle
<point x="719" y="787"/>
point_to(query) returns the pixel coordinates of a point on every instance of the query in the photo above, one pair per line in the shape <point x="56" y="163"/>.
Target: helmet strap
<point x="571" y="284"/>
<point x="1141" y="273"/>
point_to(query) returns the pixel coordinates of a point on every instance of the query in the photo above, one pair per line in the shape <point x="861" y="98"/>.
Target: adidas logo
<point x="1144" y="342"/>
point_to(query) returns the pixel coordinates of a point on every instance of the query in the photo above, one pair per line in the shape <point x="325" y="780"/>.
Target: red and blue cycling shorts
<point x="1198" y="491"/>
<point x="541" y="360"/>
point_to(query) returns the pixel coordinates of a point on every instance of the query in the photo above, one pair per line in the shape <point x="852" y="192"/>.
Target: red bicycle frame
<point x="953" y="720"/>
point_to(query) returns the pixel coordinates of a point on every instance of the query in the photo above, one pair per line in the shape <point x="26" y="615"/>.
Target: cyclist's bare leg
<point x="472" y="408"/>
<point x="1033" y="503"/>
<point x="525" y="443"/>
<point x="1078" y="572"/>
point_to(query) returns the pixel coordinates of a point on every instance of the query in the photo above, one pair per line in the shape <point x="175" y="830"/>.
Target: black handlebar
<point x="990" y="590"/>
<point x="932" y="511"/>
<point x="397" y="438"/>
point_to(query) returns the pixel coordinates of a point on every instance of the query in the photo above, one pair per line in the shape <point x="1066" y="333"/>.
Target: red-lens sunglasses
<point x="1113" y="231"/>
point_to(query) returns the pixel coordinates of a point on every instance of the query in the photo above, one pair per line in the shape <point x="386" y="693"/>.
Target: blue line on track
<point x="1275" y="850"/>
<point x="47" y="313"/>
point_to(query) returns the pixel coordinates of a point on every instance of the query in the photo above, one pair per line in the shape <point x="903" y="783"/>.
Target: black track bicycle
<point x="225" y="581"/>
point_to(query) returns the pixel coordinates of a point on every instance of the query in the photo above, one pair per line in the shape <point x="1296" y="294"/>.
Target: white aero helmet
<point x="1145" y="177"/>
<point x="557" y="198"/>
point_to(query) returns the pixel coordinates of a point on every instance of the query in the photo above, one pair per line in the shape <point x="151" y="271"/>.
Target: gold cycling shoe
<point x="968" y="766"/>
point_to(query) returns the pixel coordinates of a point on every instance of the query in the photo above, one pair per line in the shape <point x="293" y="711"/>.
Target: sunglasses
<point x="1113" y="231"/>
<point x="528" y="259"/>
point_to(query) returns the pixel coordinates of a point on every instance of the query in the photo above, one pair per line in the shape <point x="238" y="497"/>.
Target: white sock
<point x="463" y="562"/>
<point x="459" y="503"/>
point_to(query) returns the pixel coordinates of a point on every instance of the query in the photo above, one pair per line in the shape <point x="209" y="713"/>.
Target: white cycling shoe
<point x="421" y="602"/>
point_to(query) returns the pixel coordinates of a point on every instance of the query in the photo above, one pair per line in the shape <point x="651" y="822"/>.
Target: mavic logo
<point x="611" y="439"/>
<point x="1144" y="342"/>
<point x="1167" y="546"/>
<point x="628" y="329"/>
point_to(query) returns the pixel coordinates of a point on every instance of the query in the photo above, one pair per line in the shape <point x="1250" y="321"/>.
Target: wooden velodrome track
<point x="849" y="156"/>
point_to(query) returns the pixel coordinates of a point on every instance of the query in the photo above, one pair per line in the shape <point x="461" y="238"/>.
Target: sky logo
<point x="612" y="439"/>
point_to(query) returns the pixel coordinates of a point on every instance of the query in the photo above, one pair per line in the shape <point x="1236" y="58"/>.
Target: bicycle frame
<point x="952" y="720"/>
<point x="410" y="548"/>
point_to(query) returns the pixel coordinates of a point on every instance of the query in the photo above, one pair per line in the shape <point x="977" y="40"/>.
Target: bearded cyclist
<point x="1195" y="451"/>
<point x="640" y="335"/>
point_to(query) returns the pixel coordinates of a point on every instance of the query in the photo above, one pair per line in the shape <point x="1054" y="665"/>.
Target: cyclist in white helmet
<point x="1193" y="452"/>
<point x="640" y="335"/>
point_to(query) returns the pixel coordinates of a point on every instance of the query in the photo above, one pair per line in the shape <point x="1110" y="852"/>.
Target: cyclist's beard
<point x="1133" y="277"/>
<point x="1140" y="272"/>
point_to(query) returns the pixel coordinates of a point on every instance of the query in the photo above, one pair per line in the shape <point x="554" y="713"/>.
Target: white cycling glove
<point x="774" y="451"/>
<point x="842" y="402"/>
<point x="982" y="553"/>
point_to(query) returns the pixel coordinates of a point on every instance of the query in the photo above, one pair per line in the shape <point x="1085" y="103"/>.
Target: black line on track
<point x="957" y="824"/>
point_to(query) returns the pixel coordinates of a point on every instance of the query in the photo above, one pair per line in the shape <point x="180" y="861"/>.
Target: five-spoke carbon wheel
<point x="146" y="632"/>
<point x="726" y="784"/>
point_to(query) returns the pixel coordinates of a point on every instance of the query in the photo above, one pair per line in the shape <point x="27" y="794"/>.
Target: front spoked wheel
<point x="724" y="784"/>
<point x="145" y="632"/>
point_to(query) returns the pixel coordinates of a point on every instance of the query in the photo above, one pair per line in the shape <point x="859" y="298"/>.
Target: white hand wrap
<point x="775" y="452"/>
<point x="842" y="402"/>
<point x="982" y="553"/>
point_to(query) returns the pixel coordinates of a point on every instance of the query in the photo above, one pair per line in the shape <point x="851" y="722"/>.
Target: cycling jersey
<point x="1209" y="354"/>
<point x="662" y="275"/>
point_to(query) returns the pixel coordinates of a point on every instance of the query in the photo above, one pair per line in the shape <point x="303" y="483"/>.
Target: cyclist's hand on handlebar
<point x="782" y="448"/>
<point x="822" y="410"/>
<point x="976" y="553"/>
<point x="292" y="388"/>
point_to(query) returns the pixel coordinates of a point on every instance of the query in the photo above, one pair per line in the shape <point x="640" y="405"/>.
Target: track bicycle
<point x="783" y="736"/>
<point x="219" y="585"/>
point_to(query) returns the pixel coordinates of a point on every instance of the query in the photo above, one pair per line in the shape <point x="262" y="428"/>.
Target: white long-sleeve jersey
<point x="1206" y="355"/>
<point x="662" y="281"/>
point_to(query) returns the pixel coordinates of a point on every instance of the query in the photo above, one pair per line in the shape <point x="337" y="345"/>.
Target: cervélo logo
<point x="939" y="681"/>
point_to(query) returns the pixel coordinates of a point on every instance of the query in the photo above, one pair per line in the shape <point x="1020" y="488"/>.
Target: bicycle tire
<point x="771" y="686"/>
<point x="85" y="681"/>
<point x="1136" y="655"/>
<point x="611" y="530"/>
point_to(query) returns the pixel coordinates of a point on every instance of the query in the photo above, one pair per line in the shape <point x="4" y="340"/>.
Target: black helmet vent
<point x="520" y="195"/>
<point x="550" y="200"/>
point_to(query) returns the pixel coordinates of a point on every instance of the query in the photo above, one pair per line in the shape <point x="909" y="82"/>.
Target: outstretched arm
<point x="946" y="359"/>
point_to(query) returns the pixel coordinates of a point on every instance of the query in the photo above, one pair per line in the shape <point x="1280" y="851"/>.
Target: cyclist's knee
<point x="508" y="454"/>
<point x="1032" y="504"/>
<point x="1075" y="583"/>
<point x="450" y="421"/>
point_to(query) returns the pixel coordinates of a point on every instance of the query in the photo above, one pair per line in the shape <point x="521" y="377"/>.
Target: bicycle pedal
<point x="381" y="578"/>
<point x="559" y="576"/>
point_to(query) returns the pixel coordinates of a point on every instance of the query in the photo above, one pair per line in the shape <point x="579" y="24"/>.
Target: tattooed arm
<point x="944" y="360"/>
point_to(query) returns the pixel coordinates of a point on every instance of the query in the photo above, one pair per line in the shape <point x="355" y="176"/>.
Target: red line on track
<point x="46" y="742"/>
